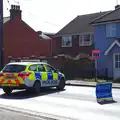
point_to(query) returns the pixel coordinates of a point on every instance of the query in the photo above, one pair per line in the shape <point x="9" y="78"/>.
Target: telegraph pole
<point x="1" y="36"/>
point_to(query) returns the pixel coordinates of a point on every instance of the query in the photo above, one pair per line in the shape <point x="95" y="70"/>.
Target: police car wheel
<point x="61" y="84"/>
<point x="7" y="91"/>
<point x="37" y="87"/>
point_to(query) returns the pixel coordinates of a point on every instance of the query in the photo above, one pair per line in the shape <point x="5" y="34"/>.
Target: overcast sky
<point x="52" y="15"/>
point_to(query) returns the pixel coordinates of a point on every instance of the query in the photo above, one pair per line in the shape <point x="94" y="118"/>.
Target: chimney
<point x="39" y="32"/>
<point x="117" y="6"/>
<point x="15" y="11"/>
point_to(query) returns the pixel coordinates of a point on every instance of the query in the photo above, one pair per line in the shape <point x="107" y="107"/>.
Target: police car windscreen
<point x="14" y="68"/>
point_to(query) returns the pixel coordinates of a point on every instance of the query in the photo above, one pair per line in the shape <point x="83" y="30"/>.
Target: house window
<point x="67" y="41"/>
<point x="86" y="39"/>
<point x="110" y="30"/>
<point x="117" y="61"/>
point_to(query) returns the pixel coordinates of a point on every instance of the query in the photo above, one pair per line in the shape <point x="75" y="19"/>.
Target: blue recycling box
<point x="104" y="92"/>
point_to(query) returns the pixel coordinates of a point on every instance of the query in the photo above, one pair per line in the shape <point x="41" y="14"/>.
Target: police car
<point x="30" y="76"/>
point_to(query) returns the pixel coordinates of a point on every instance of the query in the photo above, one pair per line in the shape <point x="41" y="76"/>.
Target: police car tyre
<point x="7" y="91"/>
<point x="61" y="84"/>
<point x="37" y="87"/>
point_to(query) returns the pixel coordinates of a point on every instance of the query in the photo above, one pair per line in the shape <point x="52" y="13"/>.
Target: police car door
<point x="52" y="75"/>
<point x="43" y="75"/>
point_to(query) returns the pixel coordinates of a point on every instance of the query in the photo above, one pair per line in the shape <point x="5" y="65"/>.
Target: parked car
<point x="30" y="76"/>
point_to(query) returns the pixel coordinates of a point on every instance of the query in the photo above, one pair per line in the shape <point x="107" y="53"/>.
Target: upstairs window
<point x="110" y="30"/>
<point x="67" y="41"/>
<point x="86" y="39"/>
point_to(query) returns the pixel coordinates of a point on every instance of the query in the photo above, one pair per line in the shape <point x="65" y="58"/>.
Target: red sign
<point x="95" y="54"/>
<point x="95" y="51"/>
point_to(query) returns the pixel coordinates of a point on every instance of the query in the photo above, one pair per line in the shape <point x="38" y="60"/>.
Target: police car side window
<point x="50" y="69"/>
<point x="41" y="68"/>
<point x="33" y="68"/>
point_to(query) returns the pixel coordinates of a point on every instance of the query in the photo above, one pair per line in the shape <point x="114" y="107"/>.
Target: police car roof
<point x="25" y="63"/>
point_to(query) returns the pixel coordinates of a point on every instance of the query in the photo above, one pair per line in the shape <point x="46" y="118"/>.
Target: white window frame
<point x="116" y="61"/>
<point x="81" y="37"/>
<point x="63" y="41"/>
<point x="109" y="29"/>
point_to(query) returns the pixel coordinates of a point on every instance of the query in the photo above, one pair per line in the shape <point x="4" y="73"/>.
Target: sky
<point x="52" y="15"/>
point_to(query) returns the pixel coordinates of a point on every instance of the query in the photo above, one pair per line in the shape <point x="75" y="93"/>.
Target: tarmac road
<point x="74" y="102"/>
<point x="10" y="115"/>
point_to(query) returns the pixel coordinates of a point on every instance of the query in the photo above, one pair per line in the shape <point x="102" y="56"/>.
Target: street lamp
<point x="1" y="36"/>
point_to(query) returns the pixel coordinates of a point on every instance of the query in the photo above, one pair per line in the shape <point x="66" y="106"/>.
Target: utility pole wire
<point x="6" y="5"/>
<point x="35" y="15"/>
<point x="41" y="20"/>
<point x="17" y="2"/>
<point x="8" y="2"/>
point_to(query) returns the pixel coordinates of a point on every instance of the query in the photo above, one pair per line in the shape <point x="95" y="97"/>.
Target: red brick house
<point x="76" y="40"/>
<point x="77" y="36"/>
<point x="20" y="40"/>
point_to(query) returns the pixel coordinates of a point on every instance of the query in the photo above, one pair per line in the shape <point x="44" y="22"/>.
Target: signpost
<point x="1" y="36"/>
<point x="95" y="56"/>
<point x="103" y="88"/>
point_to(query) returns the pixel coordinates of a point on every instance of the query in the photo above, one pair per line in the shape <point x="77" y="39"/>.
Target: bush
<point x="116" y="80"/>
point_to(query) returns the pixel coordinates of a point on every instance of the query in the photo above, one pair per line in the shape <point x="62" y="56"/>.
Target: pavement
<point x="73" y="103"/>
<point x="88" y="84"/>
<point x="11" y="115"/>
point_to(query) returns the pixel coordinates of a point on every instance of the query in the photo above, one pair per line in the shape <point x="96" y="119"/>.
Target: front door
<point x="42" y="74"/>
<point x="116" y="65"/>
<point x="52" y="75"/>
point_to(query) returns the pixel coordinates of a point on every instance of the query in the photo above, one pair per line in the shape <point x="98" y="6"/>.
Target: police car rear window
<point x="14" y="68"/>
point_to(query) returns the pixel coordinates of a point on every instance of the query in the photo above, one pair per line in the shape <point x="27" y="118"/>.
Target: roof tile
<point x="80" y="24"/>
<point x="111" y="16"/>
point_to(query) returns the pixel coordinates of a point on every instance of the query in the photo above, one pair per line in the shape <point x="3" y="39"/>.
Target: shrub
<point x="116" y="80"/>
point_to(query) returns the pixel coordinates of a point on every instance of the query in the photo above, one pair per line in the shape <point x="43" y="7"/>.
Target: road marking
<point x="33" y="114"/>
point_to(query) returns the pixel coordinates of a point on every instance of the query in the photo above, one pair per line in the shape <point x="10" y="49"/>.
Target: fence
<point x="82" y="68"/>
<point x="78" y="69"/>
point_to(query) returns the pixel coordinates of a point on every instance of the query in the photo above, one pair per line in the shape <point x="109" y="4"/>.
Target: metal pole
<point x="1" y="36"/>
<point x="96" y="70"/>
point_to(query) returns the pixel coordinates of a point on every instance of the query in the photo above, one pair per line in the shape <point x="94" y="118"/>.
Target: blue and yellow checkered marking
<point x="59" y="76"/>
<point x="38" y="76"/>
<point x="50" y="76"/>
<point x="47" y="76"/>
